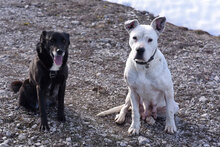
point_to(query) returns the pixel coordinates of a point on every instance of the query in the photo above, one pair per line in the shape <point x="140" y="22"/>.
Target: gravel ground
<point x="98" y="52"/>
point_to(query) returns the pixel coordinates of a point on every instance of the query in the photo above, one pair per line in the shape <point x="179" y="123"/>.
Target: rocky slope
<point x="98" y="52"/>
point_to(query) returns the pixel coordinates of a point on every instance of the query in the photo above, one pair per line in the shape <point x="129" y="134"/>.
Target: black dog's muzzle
<point x="60" y="52"/>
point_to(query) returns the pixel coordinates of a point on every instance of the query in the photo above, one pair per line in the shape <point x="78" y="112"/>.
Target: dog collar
<point x="151" y="58"/>
<point x="52" y="74"/>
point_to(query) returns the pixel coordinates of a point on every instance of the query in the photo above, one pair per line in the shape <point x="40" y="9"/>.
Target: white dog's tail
<point x="110" y="111"/>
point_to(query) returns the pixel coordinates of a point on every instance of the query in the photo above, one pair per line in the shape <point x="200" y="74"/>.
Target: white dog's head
<point x="143" y="38"/>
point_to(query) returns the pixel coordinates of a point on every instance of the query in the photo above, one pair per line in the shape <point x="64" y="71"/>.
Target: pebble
<point x="22" y="136"/>
<point x="123" y="143"/>
<point x="107" y="140"/>
<point x="203" y="99"/>
<point x="68" y="139"/>
<point x="8" y="133"/>
<point x="204" y="115"/>
<point x="75" y="22"/>
<point x="216" y="78"/>
<point x="4" y="145"/>
<point x="143" y="140"/>
<point x="34" y="126"/>
<point x="206" y="145"/>
<point x="38" y="144"/>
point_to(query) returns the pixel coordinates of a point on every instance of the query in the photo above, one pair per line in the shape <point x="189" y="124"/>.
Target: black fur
<point x="41" y="89"/>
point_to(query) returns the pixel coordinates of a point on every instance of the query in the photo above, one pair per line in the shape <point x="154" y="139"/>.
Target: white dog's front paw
<point x="170" y="128"/>
<point x="119" y="119"/>
<point x="133" y="130"/>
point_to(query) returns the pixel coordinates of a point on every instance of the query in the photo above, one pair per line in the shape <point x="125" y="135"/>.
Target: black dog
<point x="47" y="77"/>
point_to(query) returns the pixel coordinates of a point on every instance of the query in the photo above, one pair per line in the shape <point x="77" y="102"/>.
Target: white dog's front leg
<point x="120" y="118"/>
<point x="170" y="123"/>
<point x="135" y="125"/>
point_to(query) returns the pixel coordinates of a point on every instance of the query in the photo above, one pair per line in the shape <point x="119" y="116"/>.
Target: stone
<point x="22" y="136"/>
<point x="75" y="22"/>
<point x="143" y="140"/>
<point x="216" y="78"/>
<point x="68" y="139"/>
<point x="203" y="99"/>
<point x="107" y="140"/>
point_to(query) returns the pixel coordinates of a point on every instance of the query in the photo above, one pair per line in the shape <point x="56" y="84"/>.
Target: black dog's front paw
<point x="44" y="126"/>
<point x="61" y="117"/>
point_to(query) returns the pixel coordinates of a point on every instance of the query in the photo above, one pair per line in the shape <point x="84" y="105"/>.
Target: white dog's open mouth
<point x="139" y="61"/>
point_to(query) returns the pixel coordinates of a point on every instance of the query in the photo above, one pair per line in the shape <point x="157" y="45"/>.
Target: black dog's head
<point x="53" y="45"/>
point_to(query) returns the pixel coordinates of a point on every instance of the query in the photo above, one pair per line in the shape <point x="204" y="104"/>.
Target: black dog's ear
<point x="40" y="45"/>
<point x="67" y="36"/>
<point x="43" y="36"/>
<point x="131" y="24"/>
<point x="158" y="24"/>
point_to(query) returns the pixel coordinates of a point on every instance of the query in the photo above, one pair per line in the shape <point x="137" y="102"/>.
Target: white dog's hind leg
<point x="170" y="110"/>
<point x="120" y="118"/>
<point x="135" y="125"/>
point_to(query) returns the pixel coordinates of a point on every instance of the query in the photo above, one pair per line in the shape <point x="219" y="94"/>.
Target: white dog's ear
<point x="131" y="24"/>
<point x="159" y="24"/>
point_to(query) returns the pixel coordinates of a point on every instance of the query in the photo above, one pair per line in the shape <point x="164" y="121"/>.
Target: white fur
<point x="55" y="67"/>
<point x="147" y="86"/>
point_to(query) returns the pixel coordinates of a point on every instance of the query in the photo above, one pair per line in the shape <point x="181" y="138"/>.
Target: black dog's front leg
<point x="60" y="111"/>
<point x="42" y="108"/>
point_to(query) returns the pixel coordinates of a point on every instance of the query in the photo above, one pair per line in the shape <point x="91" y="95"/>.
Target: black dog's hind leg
<point x="27" y="96"/>
<point x="60" y="111"/>
<point x="42" y="108"/>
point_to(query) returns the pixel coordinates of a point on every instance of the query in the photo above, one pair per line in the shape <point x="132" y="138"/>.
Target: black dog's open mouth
<point x="140" y="61"/>
<point x="58" y="59"/>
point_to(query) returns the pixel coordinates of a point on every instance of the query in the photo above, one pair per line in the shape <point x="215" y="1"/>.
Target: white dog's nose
<point x="140" y="50"/>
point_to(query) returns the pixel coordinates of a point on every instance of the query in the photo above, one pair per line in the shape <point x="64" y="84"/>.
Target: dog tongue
<point x="58" y="60"/>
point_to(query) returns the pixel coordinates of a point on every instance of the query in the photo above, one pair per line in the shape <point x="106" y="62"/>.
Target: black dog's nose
<point x="59" y="52"/>
<point x="140" y="50"/>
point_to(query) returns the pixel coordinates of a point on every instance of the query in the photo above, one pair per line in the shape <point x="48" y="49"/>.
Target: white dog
<point x="150" y="86"/>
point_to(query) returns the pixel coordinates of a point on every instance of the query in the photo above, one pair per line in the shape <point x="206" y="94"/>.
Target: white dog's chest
<point x="149" y="90"/>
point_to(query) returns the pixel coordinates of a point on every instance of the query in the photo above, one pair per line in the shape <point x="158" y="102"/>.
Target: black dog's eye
<point x="64" y="40"/>
<point x="150" y="40"/>
<point x="135" y="38"/>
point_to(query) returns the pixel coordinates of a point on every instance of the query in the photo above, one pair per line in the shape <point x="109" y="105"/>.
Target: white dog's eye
<point x="135" y="38"/>
<point x="150" y="40"/>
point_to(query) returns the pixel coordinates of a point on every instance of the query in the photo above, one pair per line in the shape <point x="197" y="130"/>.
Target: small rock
<point x="206" y="145"/>
<point x="4" y="145"/>
<point x="107" y="140"/>
<point x="34" y="126"/>
<point x="216" y="78"/>
<point x="8" y="133"/>
<point x="53" y="129"/>
<point x="143" y="140"/>
<point x="203" y="99"/>
<point x="75" y="22"/>
<point x="38" y="144"/>
<point x="22" y="136"/>
<point x="7" y="141"/>
<point x="123" y="143"/>
<point x="164" y="142"/>
<point x="68" y="139"/>
<point x="204" y="115"/>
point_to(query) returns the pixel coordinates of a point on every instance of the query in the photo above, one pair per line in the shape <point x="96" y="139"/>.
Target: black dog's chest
<point x="53" y="88"/>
